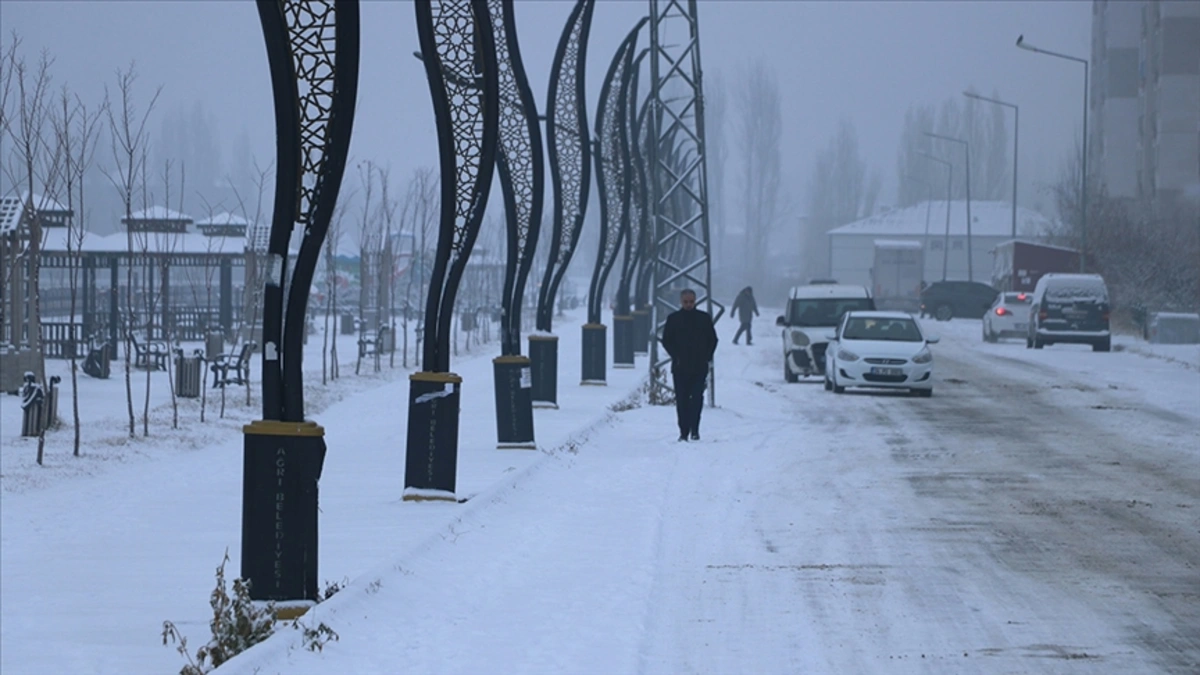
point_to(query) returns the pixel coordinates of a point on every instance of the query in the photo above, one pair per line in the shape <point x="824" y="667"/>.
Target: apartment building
<point x="1144" y="140"/>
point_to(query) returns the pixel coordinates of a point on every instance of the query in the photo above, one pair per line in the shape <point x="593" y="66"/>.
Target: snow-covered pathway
<point x="809" y="532"/>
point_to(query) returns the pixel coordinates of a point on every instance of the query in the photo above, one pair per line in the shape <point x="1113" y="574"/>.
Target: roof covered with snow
<point x="223" y="219"/>
<point x="157" y="213"/>
<point x="989" y="219"/>
<point x="11" y="207"/>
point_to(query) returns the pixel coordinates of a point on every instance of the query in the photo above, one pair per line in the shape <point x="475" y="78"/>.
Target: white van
<point x="812" y="312"/>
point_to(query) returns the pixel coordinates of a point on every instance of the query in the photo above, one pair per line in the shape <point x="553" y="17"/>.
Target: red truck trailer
<point x="1017" y="265"/>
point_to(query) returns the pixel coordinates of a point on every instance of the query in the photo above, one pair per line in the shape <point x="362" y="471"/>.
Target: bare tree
<point x="839" y="192"/>
<point x="386" y="299"/>
<point x="76" y="128"/>
<point x="253" y="277"/>
<point x="128" y="139"/>
<point x="36" y="165"/>
<point x="759" y="131"/>
<point x="716" y="113"/>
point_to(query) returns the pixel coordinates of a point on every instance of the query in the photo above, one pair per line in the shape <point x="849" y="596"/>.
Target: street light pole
<point x="949" y="184"/>
<point x="1016" y="137"/>
<point x="967" y="146"/>
<point x="1083" y="205"/>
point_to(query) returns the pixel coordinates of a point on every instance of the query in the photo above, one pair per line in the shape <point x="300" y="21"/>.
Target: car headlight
<point x="799" y="339"/>
<point x="923" y="356"/>
<point x="847" y="355"/>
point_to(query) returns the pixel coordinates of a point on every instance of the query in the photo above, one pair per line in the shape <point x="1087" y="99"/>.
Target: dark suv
<point x="1070" y="308"/>
<point x="945" y="300"/>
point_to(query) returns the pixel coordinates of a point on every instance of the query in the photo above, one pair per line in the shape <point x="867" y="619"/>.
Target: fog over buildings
<point x="865" y="63"/>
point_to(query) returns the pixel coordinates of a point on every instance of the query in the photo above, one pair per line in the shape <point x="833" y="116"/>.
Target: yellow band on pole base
<point x="623" y="317"/>
<point x="278" y="428"/>
<point x="594" y="326"/>
<point x="543" y="338"/>
<point x="292" y="610"/>
<point x="512" y="358"/>
<point x="425" y="376"/>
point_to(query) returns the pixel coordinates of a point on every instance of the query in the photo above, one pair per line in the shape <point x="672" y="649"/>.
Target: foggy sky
<point x="868" y="61"/>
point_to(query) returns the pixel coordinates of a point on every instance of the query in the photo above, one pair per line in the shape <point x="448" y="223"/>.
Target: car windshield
<point x="823" y="311"/>
<point x="874" y="328"/>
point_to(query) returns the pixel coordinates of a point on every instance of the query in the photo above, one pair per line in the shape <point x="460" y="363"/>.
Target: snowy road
<point x="1029" y="518"/>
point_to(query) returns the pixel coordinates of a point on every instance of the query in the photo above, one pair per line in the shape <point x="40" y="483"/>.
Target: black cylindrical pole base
<point x="431" y="457"/>
<point x="594" y="339"/>
<point x="543" y="364"/>
<point x="641" y="331"/>
<point x="623" y="341"/>
<point x="281" y="465"/>
<point x="514" y="403"/>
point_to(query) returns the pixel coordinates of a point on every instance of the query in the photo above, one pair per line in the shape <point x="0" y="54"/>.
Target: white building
<point x="1144" y="137"/>
<point x="852" y="246"/>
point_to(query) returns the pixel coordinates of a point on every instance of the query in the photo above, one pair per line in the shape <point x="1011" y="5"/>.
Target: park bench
<point x="233" y="367"/>
<point x="149" y="353"/>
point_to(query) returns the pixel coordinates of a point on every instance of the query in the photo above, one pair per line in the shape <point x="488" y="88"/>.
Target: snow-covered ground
<point x="1039" y="514"/>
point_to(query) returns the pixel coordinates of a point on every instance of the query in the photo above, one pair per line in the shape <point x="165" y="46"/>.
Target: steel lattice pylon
<point x="679" y="190"/>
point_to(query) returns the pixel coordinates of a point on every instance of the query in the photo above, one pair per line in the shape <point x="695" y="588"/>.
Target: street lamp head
<point x="1023" y="45"/>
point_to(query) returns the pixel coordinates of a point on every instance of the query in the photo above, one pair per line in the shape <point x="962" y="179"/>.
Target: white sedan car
<point x="885" y="350"/>
<point x="1008" y="316"/>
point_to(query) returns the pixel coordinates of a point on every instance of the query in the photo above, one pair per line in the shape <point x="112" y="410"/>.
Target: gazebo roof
<point x="157" y="213"/>
<point x="223" y="220"/>
<point x="11" y="207"/>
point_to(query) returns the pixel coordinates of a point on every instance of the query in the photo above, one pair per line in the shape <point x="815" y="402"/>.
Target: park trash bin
<point x="348" y="327"/>
<point x="50" y="407"/>
<point x="32" y="399"/>
<point x="214" y="344"/>
<point x="188" y="374"/>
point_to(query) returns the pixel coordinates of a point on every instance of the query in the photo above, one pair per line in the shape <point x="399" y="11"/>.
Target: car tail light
<point x="1021" y="297"/>
<point x="1000" y="311"/>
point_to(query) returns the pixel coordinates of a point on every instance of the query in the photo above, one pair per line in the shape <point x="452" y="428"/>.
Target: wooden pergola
<point x="157" y="276"/>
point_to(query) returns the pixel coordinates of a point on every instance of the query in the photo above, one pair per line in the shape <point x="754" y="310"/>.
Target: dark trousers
<point x="744" y="328"/>
<point x="689" y="399"/>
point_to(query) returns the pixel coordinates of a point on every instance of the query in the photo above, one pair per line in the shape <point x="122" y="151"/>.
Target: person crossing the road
<point x="746" y="309"/>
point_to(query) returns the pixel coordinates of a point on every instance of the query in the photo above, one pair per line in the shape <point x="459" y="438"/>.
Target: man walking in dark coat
<point x="690" y="339"/>
<point x="746" y="309"/>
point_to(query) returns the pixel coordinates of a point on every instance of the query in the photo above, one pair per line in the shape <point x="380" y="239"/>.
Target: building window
<point x="935" y="245"/>
<point x="956" y="245"/>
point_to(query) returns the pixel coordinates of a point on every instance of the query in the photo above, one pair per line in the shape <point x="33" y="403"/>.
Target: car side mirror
<point x="780" y="321"/>
<point x="933" y="339"/>
<point x="831" y="336"/>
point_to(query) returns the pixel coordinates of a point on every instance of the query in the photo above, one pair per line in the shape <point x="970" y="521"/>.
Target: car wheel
<point x="925" y="393"/>
<point x="1037" y="342"/>
<point x="788" y="376"/>
<point x="1028" y="342"/>
<point x="944" y="313"/>
<point x="828" y="385"/>
<point x="837" y="389"/>
<point x="1102" y="346"/>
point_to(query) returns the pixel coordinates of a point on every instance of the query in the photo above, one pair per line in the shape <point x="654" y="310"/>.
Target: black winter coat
<point x="690" y="339"/>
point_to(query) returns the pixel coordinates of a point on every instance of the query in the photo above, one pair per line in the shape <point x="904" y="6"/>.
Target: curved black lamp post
<point x="641" y="195"/>
<point x="459" y="54"/>
<point x="624" y="321"/>
<point x="312" y="50"/>
<point x="611" y="166"/>
<point x="519" y="163"/>
<point x="570" y="173"/>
